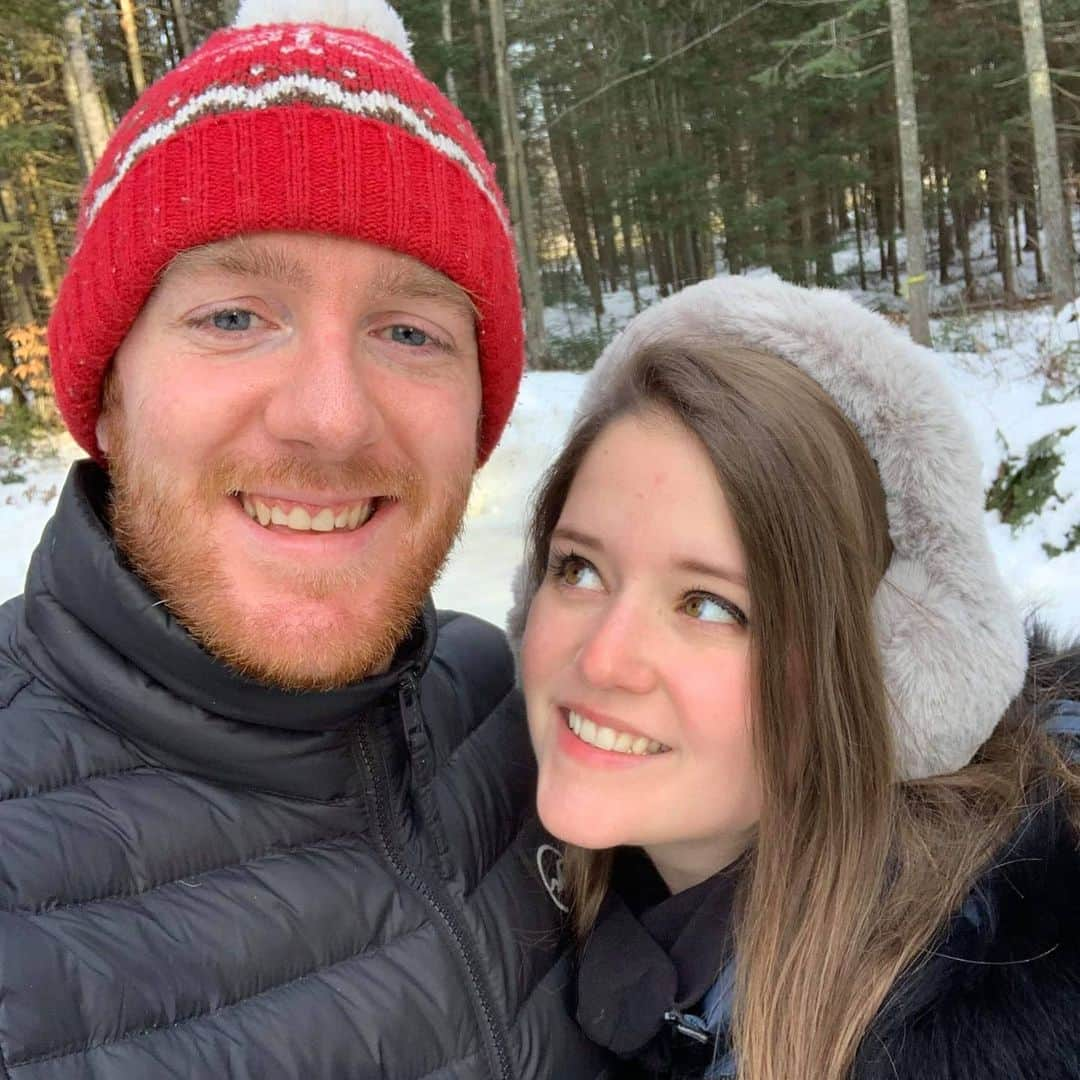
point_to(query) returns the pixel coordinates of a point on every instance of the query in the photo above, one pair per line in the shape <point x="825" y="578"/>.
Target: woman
<point x="815" y="787"/>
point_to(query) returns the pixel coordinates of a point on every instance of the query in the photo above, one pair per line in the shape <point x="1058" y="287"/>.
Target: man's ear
<point x="101" y="433"/>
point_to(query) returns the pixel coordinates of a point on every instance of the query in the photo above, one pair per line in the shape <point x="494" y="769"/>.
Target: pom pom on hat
<point x="373" y="16"/>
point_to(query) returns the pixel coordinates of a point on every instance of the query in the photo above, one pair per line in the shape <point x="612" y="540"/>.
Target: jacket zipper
<point x="436" y="899"/>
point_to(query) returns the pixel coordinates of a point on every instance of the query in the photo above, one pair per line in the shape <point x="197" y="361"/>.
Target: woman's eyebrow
<point x="575" y="536"/>
<point x="695" y="566"/>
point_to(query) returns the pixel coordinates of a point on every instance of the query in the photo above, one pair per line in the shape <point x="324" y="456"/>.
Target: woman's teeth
<point x="605" y="738"/>
<point x="345" y="518"/>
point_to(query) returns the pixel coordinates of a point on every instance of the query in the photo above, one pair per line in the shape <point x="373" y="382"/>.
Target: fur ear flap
<point x="375" y="16"/>
<point x="519" y="612"/>
<point x="944" y="658"/>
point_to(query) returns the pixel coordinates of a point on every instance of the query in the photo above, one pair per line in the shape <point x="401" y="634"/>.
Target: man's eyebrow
<point x="414" y="281"/>
<point x="244" y="260"/>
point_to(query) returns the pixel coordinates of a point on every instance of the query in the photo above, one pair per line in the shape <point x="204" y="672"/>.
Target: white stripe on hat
<point x="376" y="104"/>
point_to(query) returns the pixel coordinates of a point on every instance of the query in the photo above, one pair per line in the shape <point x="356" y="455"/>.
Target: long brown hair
<point x="852" y="873"/>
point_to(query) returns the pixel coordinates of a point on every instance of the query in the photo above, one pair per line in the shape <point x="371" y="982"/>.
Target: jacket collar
<point x="110" y="645"/>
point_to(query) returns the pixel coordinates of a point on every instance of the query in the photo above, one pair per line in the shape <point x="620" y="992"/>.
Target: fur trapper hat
<point x="951" y="638"/>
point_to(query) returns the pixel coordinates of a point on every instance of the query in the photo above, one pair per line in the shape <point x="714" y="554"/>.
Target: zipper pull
<point x="693" y="1027"/>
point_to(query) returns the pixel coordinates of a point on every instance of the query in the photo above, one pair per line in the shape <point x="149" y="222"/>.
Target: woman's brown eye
<point x="712" y="609"/>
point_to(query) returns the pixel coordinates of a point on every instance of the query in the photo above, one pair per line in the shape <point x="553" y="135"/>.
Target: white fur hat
<point x="952" y="641"/>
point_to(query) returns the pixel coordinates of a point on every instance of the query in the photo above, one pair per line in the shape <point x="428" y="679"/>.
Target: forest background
<point x="663" y="140"/>
<point x="885" y="146"/>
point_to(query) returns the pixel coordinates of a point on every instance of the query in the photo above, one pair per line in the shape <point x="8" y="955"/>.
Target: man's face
<point x="291" y="430"/>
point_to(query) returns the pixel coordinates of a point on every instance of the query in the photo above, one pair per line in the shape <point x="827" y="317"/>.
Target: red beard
<point x="170" y="543"/>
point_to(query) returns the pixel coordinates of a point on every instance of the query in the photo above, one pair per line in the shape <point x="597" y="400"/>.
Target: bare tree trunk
<point x="963" y="242"/>
<point x="35" y="208"/>
<point x="602" y="223"/>
<point x="20" y="309"/>
<point x="945" y="235"/>
<point x="448" y="41"/>
<point x="131" y="42"/>
<point x="879" y="215"/>
<point x="859" y="235"/>
<point x="568" y="173"/>
<point x="518" y="185"/>
<point x="1055" y="222"/>
<point x="627" y="229"/>
<point x="824" y="273"/>
<point x="806" y="230"/>
<point x="1001" y="230"/>
<point x="1026" y="186"/>
<point x="627" y="135"/>
<point x="182" y="27"/>
<point x="88" y="100"/>
<point x="911" y="173"/>
<point x="78" y="121"/>
<point x="483" y="77"/>
<point x="46" y="277"/>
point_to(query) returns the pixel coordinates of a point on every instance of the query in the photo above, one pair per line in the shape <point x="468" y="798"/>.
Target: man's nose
<point x="617" y="654"/>
<point x="327" y="399"/>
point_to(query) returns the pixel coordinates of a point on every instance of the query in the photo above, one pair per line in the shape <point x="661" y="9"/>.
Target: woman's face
<point x="636" y="659"/>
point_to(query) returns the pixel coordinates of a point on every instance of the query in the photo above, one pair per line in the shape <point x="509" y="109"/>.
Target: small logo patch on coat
<point x="549" y="862"/>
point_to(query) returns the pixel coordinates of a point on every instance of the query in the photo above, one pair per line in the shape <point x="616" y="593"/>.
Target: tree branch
<point x="652" y="67"/>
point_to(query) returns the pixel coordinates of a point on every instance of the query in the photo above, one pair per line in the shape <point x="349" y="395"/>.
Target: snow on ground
<point x="28" y="490"/>
<point x="991" y="359"/>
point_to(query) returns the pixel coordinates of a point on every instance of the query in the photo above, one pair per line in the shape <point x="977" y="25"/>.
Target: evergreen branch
<point x="658" y="63"/>
<point x="872" y="70"/>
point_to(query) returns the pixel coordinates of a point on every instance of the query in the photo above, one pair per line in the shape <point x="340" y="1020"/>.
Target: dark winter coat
<point x="201" y="877"/>
<point x="996" y="998"/>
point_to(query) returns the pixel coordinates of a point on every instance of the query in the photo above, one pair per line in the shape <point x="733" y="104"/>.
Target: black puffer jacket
<point x="204" y="878"/>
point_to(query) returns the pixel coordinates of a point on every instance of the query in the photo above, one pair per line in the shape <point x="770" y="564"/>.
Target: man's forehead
<point x="284" y="260"/>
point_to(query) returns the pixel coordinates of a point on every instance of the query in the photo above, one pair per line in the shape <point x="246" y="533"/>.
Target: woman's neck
<point x="687" y="863"/>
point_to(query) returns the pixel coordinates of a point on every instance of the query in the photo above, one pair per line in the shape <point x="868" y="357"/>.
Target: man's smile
<point x="299" y="516"/>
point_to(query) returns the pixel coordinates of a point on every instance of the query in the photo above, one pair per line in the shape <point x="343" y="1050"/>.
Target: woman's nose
<point x="616" y="653"/>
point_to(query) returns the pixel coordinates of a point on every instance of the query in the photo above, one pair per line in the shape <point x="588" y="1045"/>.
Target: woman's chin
<point x="581" y="829"/>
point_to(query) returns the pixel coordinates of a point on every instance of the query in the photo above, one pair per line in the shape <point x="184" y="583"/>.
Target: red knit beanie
<point x="288" y="126"/>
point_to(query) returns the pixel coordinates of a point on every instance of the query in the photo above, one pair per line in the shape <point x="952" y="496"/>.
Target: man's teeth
<point x="605" y="738"/>
<point x="300" y="520"/>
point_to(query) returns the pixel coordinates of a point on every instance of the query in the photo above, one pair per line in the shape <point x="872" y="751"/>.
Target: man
<point x="264" y="814"/>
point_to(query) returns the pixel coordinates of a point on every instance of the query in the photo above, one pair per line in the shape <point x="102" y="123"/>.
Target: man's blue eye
<point x="408" y="335"/>
<point x="233" y="319"/>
